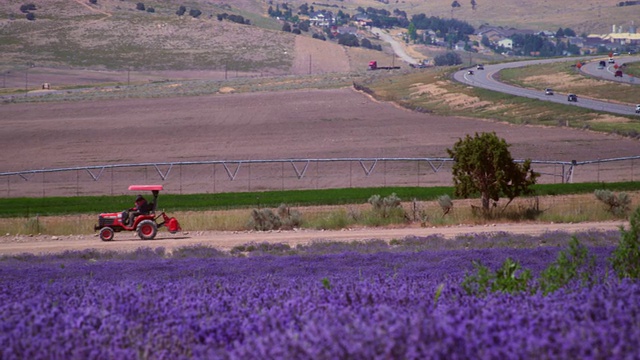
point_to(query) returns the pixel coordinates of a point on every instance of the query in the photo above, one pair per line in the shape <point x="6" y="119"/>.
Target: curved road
<point x="485" y="79"/>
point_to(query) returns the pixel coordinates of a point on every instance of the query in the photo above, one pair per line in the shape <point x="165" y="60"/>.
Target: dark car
<point x="618" y="73"/>
<point x="572" y="98"/>
<point x="548" y="91"/>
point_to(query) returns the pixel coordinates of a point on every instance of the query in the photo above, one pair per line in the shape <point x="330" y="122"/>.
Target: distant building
<point x="506" y="43"/>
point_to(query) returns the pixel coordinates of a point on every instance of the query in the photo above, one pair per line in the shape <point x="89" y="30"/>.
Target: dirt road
<point x="227" y="240"/>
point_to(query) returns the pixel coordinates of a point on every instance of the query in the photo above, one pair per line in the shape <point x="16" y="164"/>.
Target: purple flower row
<point x="346" y="305"/>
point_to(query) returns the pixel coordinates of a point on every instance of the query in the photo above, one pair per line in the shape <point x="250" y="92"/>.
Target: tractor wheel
<point x="147" y="230"/>
<point x="106" y="234"/>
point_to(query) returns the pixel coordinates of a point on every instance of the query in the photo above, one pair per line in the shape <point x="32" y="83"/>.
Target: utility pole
<point x="26" y="81"/>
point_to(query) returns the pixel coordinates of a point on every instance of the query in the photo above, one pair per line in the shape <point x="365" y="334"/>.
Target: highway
<point x="486" y="79"/>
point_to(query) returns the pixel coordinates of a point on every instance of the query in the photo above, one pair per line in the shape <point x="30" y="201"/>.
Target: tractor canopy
<point x="145" y="187"/>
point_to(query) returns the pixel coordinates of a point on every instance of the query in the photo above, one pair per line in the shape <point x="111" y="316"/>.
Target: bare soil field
<point x="270" y="125"/>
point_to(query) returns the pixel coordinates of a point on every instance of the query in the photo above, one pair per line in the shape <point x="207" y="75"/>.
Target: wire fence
<point x="220" y="176"/>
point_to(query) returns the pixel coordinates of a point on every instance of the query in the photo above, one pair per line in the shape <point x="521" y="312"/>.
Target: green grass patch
<point x="51" y="206"/>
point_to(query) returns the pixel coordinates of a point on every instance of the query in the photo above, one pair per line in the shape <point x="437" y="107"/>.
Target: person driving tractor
<point x="142" y="207"/>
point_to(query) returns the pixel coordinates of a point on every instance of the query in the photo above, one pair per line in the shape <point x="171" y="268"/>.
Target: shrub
<point x="140" y="6"/>
<point x="626" y="257"/>
<point x="618" y="205"/>
<point x="27" y="7"/>
<point x="93" y="2"/>
<point x="450" y="58"/>
<point x="181" y="10"/>
<point x="508" y="279"/>
<point x="31" y="16"/>
<point x="195" y="13"/>
<point x="384" y="206"/>
<point x="264" y="220"/>
<point x="289" y="218"/>
<point x="151" y="10"/>
<point x="446" y="204"/>
<point x="567" y="267"/>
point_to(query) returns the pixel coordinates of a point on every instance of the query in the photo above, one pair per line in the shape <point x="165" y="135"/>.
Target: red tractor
<point x="146" y="225"/>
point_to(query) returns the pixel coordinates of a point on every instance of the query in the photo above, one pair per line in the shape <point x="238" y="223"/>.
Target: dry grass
<point x="558" y="209"/>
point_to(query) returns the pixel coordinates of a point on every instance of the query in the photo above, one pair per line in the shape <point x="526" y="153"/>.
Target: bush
<point x="151" y="10"/>
<point x="289" y="218"/>
<point x="181" y="10"/>
<point x="618" y="205"/>
<point x="449" y="58"/>
<point x="508" y="279"/>
<point x="27" y="7"/>
<point x="140" y="6"/>
<point x="195" y="13"/>
<point x="348" y="40"/>
<point x="384" y="206"/>
<point x="626" y="257"/>
<point x="266" y="219"/>
<point x="446" y="204"/>
<point x="569" y="265"/>
<point x="93" y="2"/>
<point x="286" y="27"/>
<point x="31" y="16"/>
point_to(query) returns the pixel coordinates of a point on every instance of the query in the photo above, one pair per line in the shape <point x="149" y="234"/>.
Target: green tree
<point x="483" y="164"/>
<point x="412" y="32"/>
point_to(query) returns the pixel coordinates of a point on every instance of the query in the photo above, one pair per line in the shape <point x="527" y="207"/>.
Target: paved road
<point x="608" y="73"/>
<point x="486" y="79"/>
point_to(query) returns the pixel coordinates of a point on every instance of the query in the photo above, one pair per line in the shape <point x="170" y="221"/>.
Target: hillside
<point x="591" y="16"/>
<point x="114" y="35"/>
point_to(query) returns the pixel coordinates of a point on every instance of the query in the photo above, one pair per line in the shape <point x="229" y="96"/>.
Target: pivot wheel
<point x="106" y="234"/>
<point x="147" y="229"/>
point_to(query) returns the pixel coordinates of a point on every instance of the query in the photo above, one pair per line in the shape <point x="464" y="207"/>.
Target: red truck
<point x="373" y="65"/>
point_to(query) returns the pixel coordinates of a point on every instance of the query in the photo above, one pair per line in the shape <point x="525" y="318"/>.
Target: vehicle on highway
<point x="618" y="73"/>
<point x="479" y="67"/>
<point x="611" y="61"/>
<point x="572" y="98"/>
<point x="638" y="109"/>
<point x="548" y="91"/>
<point x="602" y="64"/>
<point x="470" y="72"/>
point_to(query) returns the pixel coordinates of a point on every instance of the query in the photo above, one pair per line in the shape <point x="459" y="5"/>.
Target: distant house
<point x="506" y="43"/>
<point x="319" y="18"/>
<point x="495" y="34"/>
<point x="362" y="20"/>
<point x="460" y="45"/>
<point x="342" y="30"/>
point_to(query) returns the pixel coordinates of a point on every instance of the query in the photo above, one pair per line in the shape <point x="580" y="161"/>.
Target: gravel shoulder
<point x="43" y="244"/>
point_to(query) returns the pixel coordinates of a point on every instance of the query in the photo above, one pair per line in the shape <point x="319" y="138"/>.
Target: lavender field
<point x="323" y="301"/>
